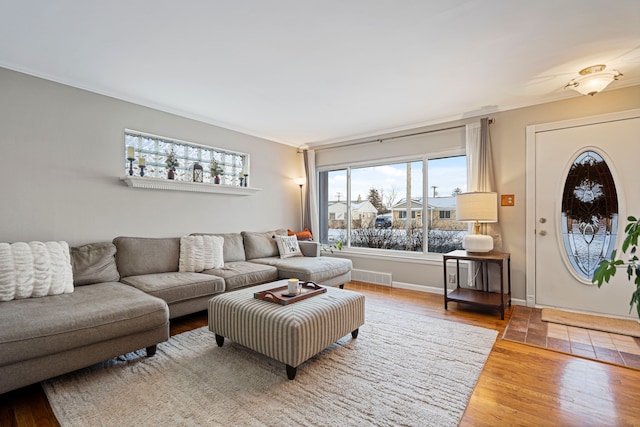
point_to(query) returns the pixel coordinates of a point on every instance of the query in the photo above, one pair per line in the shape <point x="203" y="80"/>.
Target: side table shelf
<point x="481" y="297"/>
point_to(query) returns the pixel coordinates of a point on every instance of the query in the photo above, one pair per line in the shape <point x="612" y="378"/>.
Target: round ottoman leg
<point x="354" y="334"/>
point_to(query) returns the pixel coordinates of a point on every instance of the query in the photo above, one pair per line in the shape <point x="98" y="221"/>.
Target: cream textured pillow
<point x="288" y="246"/>
<point x="34" y="269"/>
<point x="199" y="253"/>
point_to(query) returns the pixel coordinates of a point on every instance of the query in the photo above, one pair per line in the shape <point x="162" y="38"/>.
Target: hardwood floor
<point x="520" y="385"/>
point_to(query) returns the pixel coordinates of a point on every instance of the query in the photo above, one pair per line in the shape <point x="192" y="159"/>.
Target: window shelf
<point x="198" y="187"/>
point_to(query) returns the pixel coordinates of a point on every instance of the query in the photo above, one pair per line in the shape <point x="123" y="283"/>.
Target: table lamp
<point x="477" y="207"/>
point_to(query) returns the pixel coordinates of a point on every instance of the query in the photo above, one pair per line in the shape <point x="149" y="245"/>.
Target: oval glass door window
<point x="589" y="214"/>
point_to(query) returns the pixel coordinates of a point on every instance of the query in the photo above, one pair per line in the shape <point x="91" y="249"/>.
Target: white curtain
<point x="480" y="176"/>
<point x="311" y="220"/>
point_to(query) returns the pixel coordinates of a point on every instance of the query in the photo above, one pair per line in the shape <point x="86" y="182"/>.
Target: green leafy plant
<point x="215" y="168"/>
<point x="607" y="268"/>
<point x="172" y="160"/>
<point x="335" y="244"/>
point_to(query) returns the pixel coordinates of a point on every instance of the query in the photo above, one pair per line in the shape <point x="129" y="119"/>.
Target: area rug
<point x="587" y="321"/>
<point x="403" y="369"/>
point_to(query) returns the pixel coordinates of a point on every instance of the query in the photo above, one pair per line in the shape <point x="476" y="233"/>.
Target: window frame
<point x="347" y="166"/>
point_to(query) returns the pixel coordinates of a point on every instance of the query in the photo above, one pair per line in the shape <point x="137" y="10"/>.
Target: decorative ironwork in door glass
<point x="589" y="213"/>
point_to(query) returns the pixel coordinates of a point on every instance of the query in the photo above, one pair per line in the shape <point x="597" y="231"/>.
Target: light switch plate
<point x="508" y="200"/>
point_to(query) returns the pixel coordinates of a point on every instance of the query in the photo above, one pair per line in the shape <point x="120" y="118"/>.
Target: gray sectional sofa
<point x="126" y="291"/>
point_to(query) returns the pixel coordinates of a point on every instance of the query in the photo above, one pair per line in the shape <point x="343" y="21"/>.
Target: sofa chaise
<point x="123" y="294"/>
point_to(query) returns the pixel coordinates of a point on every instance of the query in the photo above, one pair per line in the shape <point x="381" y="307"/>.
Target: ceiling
<point x="320" y="71"/>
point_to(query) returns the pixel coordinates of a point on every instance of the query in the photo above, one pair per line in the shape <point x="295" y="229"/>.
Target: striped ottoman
<point x="287" y="333"/>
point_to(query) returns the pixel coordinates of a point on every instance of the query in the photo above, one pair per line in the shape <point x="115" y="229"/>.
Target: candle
<point x="292" y="286"/>
<point x="131" y="153"/>
<point x="245" y="170"/>
<point x="141" y="161"/>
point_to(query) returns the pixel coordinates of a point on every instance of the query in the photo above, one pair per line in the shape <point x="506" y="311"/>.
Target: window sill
<point x="197" y="187"/>
<point x="397" y="256"/>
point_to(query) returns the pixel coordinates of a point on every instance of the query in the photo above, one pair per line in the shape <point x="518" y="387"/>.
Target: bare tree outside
<point x="389" y="197"/>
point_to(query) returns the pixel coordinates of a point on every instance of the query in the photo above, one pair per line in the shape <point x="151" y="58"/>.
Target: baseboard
<point x="438" y="290"/>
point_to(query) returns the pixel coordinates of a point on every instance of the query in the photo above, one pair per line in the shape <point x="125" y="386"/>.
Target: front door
<point x="585" y="182"/>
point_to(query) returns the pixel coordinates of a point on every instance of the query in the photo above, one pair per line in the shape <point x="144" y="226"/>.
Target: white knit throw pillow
<point x="199" y="253"/>
<point x="34" y="269"/>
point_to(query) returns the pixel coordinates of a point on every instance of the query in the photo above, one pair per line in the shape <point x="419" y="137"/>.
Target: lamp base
<point x="477" y="243"/>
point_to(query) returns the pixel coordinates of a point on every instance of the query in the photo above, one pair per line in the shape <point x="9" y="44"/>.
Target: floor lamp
<point x="300" y="182"/>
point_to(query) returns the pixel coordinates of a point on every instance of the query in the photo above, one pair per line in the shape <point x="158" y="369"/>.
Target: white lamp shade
<point x="477" y="206"/>
<point x="593" y="83"/>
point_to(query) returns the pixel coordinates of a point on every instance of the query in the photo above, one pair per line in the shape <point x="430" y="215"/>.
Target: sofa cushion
<point x="141" y="255"/>
<point x="261" y="245"/>
<point x="34" y="269"/>
<point x="309" y="269"/>
<point x="175" y="287"/>
<point x="233" y="247"/>
<point x="309" y="248"/>
<point x="91" y="314"/>
<point x="94" y="263"/>
<point x="243" y="273"/>
<point x="288" y="246"/>
<point x="301" y="235"/>
<point x="199" y="253"/>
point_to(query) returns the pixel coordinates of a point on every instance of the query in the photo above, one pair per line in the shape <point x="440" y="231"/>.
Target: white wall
<point x="61" y="153"/>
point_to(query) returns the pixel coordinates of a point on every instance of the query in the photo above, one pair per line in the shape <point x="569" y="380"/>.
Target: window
<point x="154" y="149"/>
<point x="354" y="199"/>
<point x="403" y="215"/>
<point x="589" y="214"/>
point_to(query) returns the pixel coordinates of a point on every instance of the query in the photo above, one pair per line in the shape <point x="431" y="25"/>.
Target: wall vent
<point x="373" y="277"/>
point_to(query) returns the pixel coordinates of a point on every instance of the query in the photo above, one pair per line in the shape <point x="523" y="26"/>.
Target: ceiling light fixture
<point x="594" y="79"/>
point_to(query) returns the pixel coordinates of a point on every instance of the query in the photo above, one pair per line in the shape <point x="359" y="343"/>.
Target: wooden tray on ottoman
<point x="280" y="295"/>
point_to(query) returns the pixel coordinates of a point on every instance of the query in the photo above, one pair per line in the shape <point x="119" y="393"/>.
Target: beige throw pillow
<point x="199" y="253"/>
<point x="288" y="246"/>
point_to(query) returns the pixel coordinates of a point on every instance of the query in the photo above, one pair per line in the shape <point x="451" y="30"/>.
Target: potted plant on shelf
<point x="607" y="268"/>
<point x="216" y="171"/>
<point x="172" y="163"/>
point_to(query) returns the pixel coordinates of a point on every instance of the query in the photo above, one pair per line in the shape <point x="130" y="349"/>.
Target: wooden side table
<point x="482" y="297"/>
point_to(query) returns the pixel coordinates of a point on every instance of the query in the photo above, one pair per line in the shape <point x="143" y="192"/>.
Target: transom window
<point x="154" y="149"/>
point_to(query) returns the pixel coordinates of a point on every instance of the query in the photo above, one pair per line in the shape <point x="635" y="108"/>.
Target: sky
<point x="446" y="174"/>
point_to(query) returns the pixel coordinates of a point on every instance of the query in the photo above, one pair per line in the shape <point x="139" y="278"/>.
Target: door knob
<point x="543" y="232"/>
<point x="543" y="220"/>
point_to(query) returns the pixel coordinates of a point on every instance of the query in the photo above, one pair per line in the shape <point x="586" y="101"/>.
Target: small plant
<point x="215" y="168"/>
<point x="172" y="160"/>
<point x="607" y="268"/>
<point x="335" y="244"/>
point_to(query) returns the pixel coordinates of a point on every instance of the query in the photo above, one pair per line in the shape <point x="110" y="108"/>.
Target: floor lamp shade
<point x="478" y="207"/>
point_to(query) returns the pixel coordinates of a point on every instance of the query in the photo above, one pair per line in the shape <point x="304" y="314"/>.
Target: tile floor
<point x="526" y="326"/>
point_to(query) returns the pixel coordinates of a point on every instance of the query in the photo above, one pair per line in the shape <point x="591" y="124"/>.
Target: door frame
<point x="530" y="211"/>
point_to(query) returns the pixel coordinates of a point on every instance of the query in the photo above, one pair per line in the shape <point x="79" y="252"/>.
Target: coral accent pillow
<point x="301" y="235"/>
<point x="288" y="246"/>
<point x="199" y="253"/>
<point x="34" y="269"/>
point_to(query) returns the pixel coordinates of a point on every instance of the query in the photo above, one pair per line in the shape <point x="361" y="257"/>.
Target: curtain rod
<point x="380" y="140"/>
